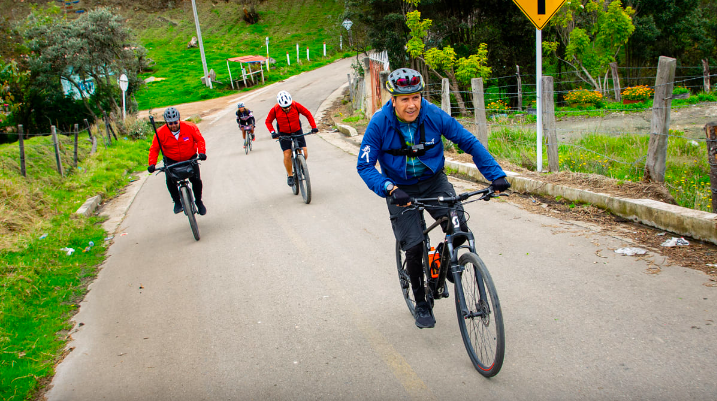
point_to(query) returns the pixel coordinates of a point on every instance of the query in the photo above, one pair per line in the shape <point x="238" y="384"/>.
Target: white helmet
<point x="284" y="99"/>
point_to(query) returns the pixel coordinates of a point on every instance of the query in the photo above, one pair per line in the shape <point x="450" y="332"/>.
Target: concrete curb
<point x="116" y="209"/>
<point x="89" y="206"/>
<point x="676" y="219"/>
<point x="348" y="130"/>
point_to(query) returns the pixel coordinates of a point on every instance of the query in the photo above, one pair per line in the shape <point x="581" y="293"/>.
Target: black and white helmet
<point x="404" y="81"/>
<point x="284" y="99"/>
<point x="171" y="115"/>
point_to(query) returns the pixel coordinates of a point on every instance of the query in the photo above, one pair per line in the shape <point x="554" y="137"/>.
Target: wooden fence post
<point x="706" y="74"/>
<point x="520" y="88"/>
<point x="549" y="129"/>
<point x="351" y="89"/>
<point x="93" y="138"/>
<point x="107" y="129"/>
<point x="76" y="134"/>
<point x="711" y="131"/>
<point x="446" y="96"/>
<point x="616" y="82"/>
<point x="479" y="111"/>
<point x="21" y="139"/>
<point x="57" y="151"/>
<point x="660" y="126"/>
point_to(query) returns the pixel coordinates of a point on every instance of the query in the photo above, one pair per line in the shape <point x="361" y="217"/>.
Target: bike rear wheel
<point x="404" y="279"/>
<point x="304" y="180"/>
<point x="188" y="206"/>
<point x="479" y="316"/>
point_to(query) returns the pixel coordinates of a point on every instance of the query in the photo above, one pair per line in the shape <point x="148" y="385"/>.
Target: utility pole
<point x="201" y="46"/>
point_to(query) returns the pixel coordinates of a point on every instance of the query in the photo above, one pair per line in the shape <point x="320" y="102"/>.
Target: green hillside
<point x="225" y="34"/>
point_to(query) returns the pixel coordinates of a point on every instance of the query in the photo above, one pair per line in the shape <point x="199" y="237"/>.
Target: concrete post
<point x="446" y="96"/>
<point x="660" y="126"/>
<point x="479" y="111"/>
<point x="549" y="128"/>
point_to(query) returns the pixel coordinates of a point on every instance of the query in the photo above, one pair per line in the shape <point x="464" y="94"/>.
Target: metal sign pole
<point x="267" y="54"/>
<point x="539" y="96"/>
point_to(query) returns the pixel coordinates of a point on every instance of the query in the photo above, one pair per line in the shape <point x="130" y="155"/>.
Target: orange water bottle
<point x="434" y="261"/>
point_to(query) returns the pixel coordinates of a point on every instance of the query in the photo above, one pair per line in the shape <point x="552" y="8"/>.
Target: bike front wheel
<point x="247" y="142"/>
<point x="188" y="206"/>
<point x="404" y="279"/>
<point x="479" y="315"/>
<point x="302" y="174"/>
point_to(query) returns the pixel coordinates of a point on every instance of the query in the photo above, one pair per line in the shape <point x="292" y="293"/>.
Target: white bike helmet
<point x="284" y="99"/>
<point x="240" y="105"/>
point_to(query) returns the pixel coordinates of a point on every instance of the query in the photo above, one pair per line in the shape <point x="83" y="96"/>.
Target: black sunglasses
<point x="408" y="82"/>
<point x="173" y="123"/>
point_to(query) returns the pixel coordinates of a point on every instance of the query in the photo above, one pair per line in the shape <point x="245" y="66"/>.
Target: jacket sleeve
<point x="303" y="110"/>
<point x="270" y="119"/>
<point x="199" y="139"/>
<point x="367" y="158"/>
<point x="468" y="143"/>
<point x="153" y="151"/>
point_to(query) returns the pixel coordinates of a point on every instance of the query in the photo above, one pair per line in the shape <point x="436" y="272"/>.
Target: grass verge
<point x="40" y="284"/>
<point x="620" y="157"/>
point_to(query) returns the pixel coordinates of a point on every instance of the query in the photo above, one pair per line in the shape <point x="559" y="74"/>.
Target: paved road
<point x="282" y="300"/>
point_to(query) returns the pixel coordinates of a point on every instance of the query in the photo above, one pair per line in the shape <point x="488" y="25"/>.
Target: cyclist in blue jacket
<point x="405" y="138"/>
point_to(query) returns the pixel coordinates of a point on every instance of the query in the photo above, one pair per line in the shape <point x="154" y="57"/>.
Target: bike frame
<point x="454" y="232"/>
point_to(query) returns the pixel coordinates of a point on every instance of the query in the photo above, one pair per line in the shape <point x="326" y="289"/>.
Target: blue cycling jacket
<point x="383" y="134"/>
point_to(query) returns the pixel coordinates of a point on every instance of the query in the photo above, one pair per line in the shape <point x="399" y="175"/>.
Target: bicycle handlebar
<point x="284" y="137"/>
<point x="177" y="164"/>
<point x="487" y="194"/>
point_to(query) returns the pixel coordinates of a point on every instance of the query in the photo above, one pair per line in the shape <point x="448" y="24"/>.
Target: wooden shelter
<point x="248" y="66"/>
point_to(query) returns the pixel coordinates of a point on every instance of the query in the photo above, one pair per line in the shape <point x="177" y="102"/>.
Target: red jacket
<point x="288" y="122"/>
<point x="190" y="141"/>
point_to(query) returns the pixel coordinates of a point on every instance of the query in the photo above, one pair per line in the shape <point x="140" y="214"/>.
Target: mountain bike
<point x="248" y="137"/>
<point x="302" y="182"/>
<point x="479" y="315"/>
<point x="180" y="172"/>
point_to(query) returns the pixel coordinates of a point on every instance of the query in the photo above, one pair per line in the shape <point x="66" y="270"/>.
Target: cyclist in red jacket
<point x="286" y="113"/>
<point x="180" y="141"/>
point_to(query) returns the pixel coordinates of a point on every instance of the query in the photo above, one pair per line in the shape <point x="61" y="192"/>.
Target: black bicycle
<point x="180" y="172"/>
<point x="302" y="182"/>
<point x="248" y="131"/>
<point x="479" y="315"/>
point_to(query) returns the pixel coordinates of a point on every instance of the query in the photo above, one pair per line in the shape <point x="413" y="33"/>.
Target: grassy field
<point x="308" y="23"/>
<point x="686" y="174"/>
<point x="40" y="284"/>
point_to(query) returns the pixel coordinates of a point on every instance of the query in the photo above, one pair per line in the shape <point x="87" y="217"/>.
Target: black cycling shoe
<point x="290" y="180"/>
<point x="178" y="208"/>
<point x="200" y="208"/>
<point x="424" y="316"/>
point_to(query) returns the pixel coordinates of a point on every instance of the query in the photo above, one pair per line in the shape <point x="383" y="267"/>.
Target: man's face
<point x="407" y="106"/>
<point x="173" y="126"/>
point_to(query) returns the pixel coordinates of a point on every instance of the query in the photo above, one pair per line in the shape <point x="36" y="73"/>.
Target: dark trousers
<point x="172" y="184"/>
<point x="407" y="225"/>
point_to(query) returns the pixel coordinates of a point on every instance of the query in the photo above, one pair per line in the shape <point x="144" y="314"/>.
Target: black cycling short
<point x="407" y="226"/>
<point x="286" y="142"/>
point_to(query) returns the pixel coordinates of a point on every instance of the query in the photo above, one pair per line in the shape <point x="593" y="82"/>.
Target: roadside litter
<point x="43" y="236"/>
<point x="69" y="251"/>
<point x="87" y="249"/>
<point x="631" y="251"/>
<point x="674" y="241"/>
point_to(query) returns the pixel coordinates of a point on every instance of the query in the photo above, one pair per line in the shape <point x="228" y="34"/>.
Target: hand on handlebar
<point x="202" y="156"/>
<point x="274" y="135"/>
<point x="314" y="130"/>
<point x="400" y="198"/>
<point x="501" y="184"/>
<point x="151" y="168"/>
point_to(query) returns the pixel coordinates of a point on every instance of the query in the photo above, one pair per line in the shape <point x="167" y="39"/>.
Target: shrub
<point x="678" y="90"/>
<point x="497" y="107"/>
<point x="640" y="92"/>
<point x="583" y="96"/>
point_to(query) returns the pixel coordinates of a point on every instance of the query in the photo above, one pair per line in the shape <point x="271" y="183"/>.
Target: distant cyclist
<point x="405" y="138"/>
<point x="286" y="113"/>
<point x="180" y="141"/>
<point x="246" y="122"/>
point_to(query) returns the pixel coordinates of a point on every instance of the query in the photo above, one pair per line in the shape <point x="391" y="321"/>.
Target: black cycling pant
<point x="172" y="184"/>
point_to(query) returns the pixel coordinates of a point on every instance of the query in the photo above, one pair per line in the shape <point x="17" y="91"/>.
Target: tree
<point x="592" y="32"/>
<point x="95" y="47"/>
<point x="444" y="60"/>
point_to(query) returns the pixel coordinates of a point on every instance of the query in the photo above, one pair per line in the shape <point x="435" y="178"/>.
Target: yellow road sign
<point x="539" y="11"/>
